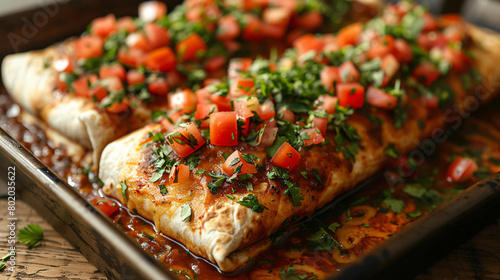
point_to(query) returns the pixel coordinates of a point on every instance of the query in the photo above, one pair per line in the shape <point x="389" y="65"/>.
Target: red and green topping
<point x="303" y="100"/>
<point x="119" y="62"/>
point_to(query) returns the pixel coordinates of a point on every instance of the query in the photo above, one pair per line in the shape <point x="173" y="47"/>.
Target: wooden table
<point x="476" y="258"/>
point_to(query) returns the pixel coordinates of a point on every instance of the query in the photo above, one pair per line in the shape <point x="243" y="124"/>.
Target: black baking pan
<point x="118" y="256"/>
<point x="101" y="242"/>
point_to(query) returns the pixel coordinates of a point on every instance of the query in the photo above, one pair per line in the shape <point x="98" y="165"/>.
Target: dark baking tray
<point x="118" y="256"/>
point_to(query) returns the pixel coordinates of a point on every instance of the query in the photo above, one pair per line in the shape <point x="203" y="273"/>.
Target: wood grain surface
<point x="476" y="258"/>
<point x="55" y="258"/>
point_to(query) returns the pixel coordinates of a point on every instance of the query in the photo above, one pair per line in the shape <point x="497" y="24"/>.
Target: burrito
<point x="281" y="139"/>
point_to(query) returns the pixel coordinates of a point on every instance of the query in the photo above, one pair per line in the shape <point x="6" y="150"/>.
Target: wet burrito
<point x="281" y="139"/>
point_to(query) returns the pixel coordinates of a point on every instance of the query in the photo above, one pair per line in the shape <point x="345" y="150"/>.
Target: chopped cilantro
<point x="186" y="213"/>
<point x="413" y="215"/>
<point x="391" y="151"/>
<point x="163" y="189"/>
<point x="217" y="182"/>
<point x="318" y="178"/>
<point x="396" y="205"/>
<point x="252" y="202"/>
<point x="124" y="187"/>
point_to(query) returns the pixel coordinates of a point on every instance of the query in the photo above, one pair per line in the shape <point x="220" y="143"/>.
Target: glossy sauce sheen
<point x="360" y="225"/>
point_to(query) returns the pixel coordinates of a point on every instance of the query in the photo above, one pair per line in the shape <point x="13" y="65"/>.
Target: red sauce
<point x="360" y="227"/>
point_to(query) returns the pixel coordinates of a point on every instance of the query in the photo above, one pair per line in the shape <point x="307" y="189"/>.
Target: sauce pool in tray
<point x="335" y="235"/>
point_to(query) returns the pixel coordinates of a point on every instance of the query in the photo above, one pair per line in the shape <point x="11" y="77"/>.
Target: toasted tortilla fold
<point x="227" y="233"/>
<point x="32" y="84"/>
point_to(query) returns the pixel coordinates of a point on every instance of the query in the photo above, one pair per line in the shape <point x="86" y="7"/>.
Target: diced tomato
<point x="349" y="35"/>
<point x="286" y="115"/>
<point x="458" y="60"/>
<point x="203" y="111"/>
<point x="320" y="124"/>
<point x="222" y="102"/>
<point x="266" y="110"/>
<point x="157" y="36"/>
<point x="223" y="129"/>
<point x="194" y="14"/>
<point x="253" y="29"/>
<point x="107" y="206"/>
<point x="81" y="86"/>
<point x="88" y="46"/>
<point x="215" y="63"/>
<point x="246" y="107"/>
<point x="314" y="136"/>
<point x="234" y="161"/>
<point x="162" y="59"/>
<point x="245" y="127"/>
<point x="368" y="35"/>
<point x="228" y="28"/>
<point x="119" y="107"/>
<point x="138" y="41"/>
<point x="126" y="23"/>
<point x="203" y="96"/>
<point x="329" y="75"/>
<point x="381" y="46"/>
<point x="329" y="103"/>
<point x="152" y="10"/>
<point x="63" y="64"/>
<point x="454" y="33"/>
<point x="135" y="77"/>
<point x="112" y="71"/>
<point x="179" y="174"/>
<point x="286" y="157"/>
<point x="348" y="72"/>
<point x="192" y="48"/>
<point x="330" y="44"/>
<point x="104" y="26"/>
<point x="290" y="5"/>
<point x="184" y="101"/>
<point x="276" y="16"/>
<point x="242" y="87"/>
<point x="380" y="99"/>
<point x="158" y="87"/>
<point x="131" y="57"/>
<point x="273" y="30"/>
<point x="430" y="40"/>
<point x="461" y="169"/>
<point x="170" y="122"/>
<point x="430" y="23"/>
<point x="185" y="140"/>
<point x="390" y="66"/>
<point x="174" y="78"/>
<point x="351" y="95"/>
<point x="98" y="92"/>
<point x="450" y="19"/>
<point x="309" y="21"/>
<point x="112" y="84"/>
<point x="269" y="134"/>
<point x="431" y="102"/>
<point x="426" y="73"/>
<point x="238" y="65"/>
<point x="205" y="13"/>
<point x="60" y="84"/>
<point x="402" y="51"/>
<point x="232" y="46"/>
<point x="308" y="42"/>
